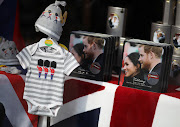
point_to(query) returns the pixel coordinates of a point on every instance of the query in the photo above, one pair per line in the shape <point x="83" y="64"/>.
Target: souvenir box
<point x="146" y="65"/>
<point x="97" y="53"/>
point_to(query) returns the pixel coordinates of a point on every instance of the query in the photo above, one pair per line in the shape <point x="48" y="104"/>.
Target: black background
<point x="91" y="15"/>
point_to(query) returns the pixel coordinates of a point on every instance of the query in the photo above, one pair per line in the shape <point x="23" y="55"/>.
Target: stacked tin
<point x="169" y="32"/>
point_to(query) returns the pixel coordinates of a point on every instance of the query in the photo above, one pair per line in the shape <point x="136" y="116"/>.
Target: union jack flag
<point x="89" y="103"/>
<point x="11" y="96"/>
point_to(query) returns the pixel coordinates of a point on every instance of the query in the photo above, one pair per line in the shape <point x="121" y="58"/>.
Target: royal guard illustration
<point x="53" y="66"/>
<point x="57" y="18"/>
<point x="43" y="14"/>
<point x="49" y="14"/>
<point x="40" y="66"/>
<point x="45" y="67"/>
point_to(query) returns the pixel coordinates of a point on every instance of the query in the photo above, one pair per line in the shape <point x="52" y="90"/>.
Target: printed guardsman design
<point x="52" y="68"/>
<point x="39" y="66"/>
<point x="46" y="66"/>
<point x="52" y="20"/>
<point x="57" y="18"/>
<point x="49" y="11"/>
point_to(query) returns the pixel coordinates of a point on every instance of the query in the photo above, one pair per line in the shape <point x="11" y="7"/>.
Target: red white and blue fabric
<point x="9" y="23"/>
<point x="90" y="103"/>
<point x="98" y="104"/>
<point x="11" y="96"/>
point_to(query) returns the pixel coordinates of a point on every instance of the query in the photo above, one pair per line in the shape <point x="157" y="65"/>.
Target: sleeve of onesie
<point x="70" y="63"/>
<point x="24" y="57"/>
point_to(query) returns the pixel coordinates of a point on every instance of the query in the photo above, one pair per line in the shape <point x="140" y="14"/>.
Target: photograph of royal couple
<point x="89" y="52"/>
<point x="141" y="65"/>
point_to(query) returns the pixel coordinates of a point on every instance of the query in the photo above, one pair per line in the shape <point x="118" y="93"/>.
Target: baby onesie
<point x="44" y="84"/>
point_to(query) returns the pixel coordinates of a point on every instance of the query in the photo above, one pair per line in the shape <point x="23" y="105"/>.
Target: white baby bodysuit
<point x="44" y="83"/>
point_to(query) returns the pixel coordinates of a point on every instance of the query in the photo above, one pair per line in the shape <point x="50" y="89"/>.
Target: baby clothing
<point x="44" y="83"/>
<point x="8" y="52"/>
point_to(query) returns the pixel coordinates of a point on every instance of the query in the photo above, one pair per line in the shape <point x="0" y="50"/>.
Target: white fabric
<point x="13" y="107"/>
<point x="88" y="103"/>
<point x="44" y="84"/>
<point x="167" y="112"/>
<point x="63" y="3"/>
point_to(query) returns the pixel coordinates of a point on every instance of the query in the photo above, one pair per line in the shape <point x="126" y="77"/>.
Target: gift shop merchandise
<point x="47" y="63"/>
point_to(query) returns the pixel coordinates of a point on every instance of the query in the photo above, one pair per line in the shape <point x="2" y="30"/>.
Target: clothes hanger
<point x="48" y="42"/>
